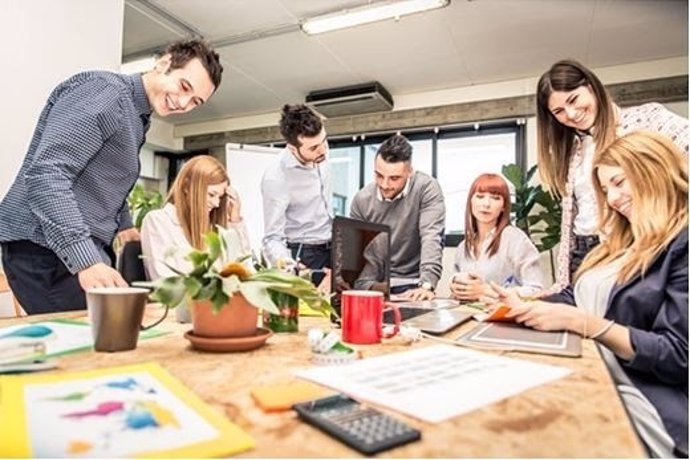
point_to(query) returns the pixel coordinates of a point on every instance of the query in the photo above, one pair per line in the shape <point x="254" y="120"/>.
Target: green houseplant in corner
<point x="224" y="294"/>
<point x="543" y="223"/>
<point x="141" y="201"/>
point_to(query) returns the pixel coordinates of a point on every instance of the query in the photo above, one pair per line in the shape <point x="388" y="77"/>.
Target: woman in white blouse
<point x="493" y="250"/>
<point x="199" y="200"/>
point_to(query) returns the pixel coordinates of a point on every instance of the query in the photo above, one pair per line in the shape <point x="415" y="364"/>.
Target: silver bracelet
<point x="603" y="330"/>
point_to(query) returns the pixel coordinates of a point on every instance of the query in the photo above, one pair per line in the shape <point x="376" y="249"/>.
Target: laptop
<point x="360" y="259"/>
<point x="433" y="317"/>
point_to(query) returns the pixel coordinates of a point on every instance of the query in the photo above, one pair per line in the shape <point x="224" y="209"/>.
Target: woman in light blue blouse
<point x="493" y="250"/>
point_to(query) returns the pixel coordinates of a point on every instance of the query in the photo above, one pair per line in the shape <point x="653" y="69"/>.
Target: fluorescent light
<point x="139" y="66"/>
<point x="367" y="14"/>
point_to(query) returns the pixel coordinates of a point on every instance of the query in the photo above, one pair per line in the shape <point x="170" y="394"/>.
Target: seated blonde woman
<point x="493" y="250"/>
<point x="199" y="200"/>
<point x="632" y="289"/>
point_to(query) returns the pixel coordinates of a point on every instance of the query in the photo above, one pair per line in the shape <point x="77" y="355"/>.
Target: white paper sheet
<point x="434" y="383"/>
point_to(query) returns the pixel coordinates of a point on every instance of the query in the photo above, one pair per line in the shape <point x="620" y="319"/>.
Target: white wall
<point x="46" y="41"/>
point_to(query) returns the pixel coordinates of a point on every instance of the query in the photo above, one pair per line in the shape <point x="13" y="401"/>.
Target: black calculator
<point x="363" y="428"/>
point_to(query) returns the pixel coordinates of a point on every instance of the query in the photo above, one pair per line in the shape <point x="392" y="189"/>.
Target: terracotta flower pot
<point x="238" y="318"/>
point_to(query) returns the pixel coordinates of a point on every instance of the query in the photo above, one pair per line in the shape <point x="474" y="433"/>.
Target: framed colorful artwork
<point x="130" y="411"/>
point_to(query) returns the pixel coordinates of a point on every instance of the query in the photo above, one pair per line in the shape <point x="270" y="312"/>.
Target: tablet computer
<point x="513" y="336"/>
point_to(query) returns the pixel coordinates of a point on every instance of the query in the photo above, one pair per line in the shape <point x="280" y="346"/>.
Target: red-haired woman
<point x="493" y="250"/>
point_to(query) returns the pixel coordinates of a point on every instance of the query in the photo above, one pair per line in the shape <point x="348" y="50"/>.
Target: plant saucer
<point x="229" y="344"/>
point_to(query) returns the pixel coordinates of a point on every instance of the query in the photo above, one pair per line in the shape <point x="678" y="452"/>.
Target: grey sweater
<point x="417" y="226"/>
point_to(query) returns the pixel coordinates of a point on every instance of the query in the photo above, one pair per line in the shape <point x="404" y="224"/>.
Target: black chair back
<point x="129" y="264"/>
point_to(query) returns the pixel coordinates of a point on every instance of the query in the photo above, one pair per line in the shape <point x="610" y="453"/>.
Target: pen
<point x="510" y="281"/>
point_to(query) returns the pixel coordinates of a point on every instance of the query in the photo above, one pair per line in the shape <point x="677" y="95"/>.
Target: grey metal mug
<point x="116" y="314"/>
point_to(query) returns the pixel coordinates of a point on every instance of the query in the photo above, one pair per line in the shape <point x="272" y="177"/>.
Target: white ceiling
<point x="466" y="43"/>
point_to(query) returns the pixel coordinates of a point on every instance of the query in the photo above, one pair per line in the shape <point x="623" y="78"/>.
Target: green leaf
<point x="219" y="300"/>
<point x="213" y="246"/>
<point x="513" y="173"/>
<point x="210" y="287"/>
<point x="546" y="220"/>
<point x="193" y="286"/>
<point x="141" y="201"/>
<point x="173" y="269"/>
<point x="256" y="293"/>
<point x="197" y="258"/>
<point x="169" y="291"/>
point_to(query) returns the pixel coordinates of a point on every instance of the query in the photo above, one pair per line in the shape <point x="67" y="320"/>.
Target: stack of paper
<point x="434" y="383"/>
<point x="24" y="350"/>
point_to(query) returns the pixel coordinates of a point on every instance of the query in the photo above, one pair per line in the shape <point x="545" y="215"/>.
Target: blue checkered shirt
<point x="70" y="193"/>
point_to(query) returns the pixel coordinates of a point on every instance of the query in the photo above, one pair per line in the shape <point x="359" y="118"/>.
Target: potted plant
<point x="141" y="201"/>
<point x="541" y="224"/>
<point x="224" y="294"/>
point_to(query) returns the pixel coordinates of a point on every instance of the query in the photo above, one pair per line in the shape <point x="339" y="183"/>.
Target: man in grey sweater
<point x="411" y="203"/>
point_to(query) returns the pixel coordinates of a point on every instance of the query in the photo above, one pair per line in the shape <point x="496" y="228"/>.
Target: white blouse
<point x="586" y="219"/>
<point x="516" y="263"/>
<point x="163" y="242"/>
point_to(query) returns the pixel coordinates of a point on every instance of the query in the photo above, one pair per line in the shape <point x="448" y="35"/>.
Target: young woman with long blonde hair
<point x="632" y="289"/>
<point x="199" y="200"/>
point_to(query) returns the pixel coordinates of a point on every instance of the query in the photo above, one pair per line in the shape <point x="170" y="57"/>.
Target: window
<point x="421" y="157"/>
<point x="345" y="176"/>
<point x="461" y="158"/>
<point x="455" y="156"/>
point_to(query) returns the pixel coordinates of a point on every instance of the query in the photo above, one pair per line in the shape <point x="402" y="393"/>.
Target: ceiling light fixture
<point x="367" y="14"/>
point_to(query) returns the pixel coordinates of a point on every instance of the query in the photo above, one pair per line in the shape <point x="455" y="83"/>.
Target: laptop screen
<point x="360" y="257"/>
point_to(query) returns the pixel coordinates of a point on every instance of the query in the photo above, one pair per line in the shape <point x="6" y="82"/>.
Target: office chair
<point x="129" y="264"/>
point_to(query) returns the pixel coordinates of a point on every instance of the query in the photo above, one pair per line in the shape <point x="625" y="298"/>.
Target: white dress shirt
<point x="297" y="205"/>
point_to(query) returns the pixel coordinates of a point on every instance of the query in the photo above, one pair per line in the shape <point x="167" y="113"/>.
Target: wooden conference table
<point x="580" y="415"/>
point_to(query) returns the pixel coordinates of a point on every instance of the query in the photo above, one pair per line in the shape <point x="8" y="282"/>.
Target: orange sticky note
<point x="499" y="314"/>
<point x="279" y="397"/>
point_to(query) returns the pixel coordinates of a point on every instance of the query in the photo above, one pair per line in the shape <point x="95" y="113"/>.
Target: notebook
<point x="513" y="336"/>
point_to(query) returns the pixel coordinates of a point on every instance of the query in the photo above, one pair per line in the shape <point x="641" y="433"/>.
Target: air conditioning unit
<point x="351" y="100"/>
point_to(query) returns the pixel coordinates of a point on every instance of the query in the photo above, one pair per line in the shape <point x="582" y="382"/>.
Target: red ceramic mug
<point x="362" y="313"/>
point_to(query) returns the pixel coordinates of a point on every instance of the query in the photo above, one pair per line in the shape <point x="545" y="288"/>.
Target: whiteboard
<point x="246" y="165"/>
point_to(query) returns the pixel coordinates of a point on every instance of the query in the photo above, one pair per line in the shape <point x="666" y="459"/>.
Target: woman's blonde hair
<point x="555" y="140"/>
<point x="189" y="195"/>
<point x="657" y="173"/>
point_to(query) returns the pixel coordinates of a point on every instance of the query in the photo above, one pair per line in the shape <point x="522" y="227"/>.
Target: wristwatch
<point x="426" y="286"/>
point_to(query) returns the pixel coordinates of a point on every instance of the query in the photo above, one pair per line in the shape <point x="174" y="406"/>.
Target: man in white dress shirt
<point x="297" y="194"/>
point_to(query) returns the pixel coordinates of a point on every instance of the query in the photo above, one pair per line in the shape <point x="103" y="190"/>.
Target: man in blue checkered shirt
<point x="68" y="201"/>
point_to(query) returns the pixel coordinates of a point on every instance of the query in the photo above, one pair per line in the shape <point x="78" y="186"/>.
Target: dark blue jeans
<point x="314" y="256"/>
<point x="39" y="280"/>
